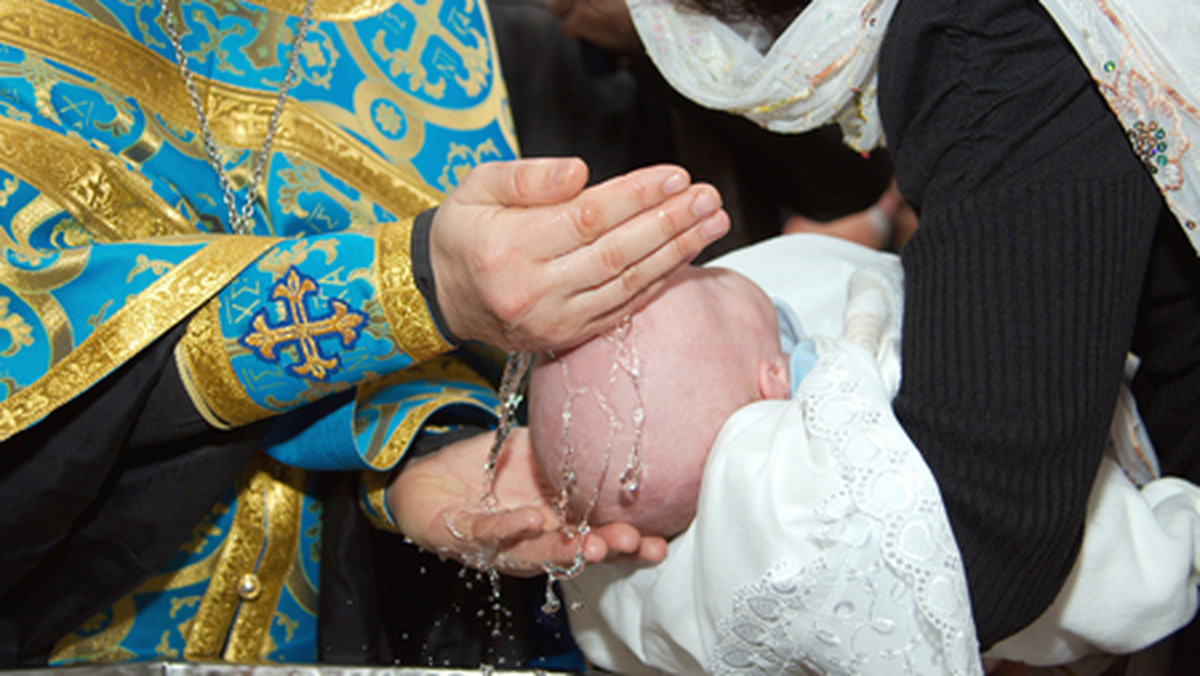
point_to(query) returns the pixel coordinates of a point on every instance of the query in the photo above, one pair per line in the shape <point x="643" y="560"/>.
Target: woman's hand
<point x="437" y="503"/>
<point x="525" y="258"/>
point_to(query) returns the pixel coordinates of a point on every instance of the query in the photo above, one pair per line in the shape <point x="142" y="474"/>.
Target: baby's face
<point x="652" y="394"/>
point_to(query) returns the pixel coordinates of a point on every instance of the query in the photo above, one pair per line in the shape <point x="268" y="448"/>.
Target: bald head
<point x="707" y="345"/>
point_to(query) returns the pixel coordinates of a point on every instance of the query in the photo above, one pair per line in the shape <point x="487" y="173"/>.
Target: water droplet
<point x="552" y="603"/>
<point x="629" y="488"/>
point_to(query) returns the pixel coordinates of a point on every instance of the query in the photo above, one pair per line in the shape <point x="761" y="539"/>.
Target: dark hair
<point x="774" y="15"/>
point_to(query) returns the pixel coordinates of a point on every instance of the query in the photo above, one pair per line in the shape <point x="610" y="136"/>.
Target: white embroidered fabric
<point x="1135" y="581"/>
<point x="820" y="70"/>
<point x="823" y="69"/>
<point x="821" y="544"/>
<point x="1143" y="55"/>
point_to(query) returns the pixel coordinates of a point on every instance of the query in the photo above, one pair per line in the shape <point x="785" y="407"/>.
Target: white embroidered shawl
<point x="1143" y="55"/>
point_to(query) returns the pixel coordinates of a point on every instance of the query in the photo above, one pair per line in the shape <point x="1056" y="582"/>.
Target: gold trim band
<point x="403" y="304"/>
<point x="208" y="375"/>
<point x="132" y="328"/>
<point x="93" y="186"/>
<point x="283" y="493"/>
<point x="262" y="542"/>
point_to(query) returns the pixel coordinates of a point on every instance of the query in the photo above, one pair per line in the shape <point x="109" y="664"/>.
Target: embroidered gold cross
<point x="343" y="321"/>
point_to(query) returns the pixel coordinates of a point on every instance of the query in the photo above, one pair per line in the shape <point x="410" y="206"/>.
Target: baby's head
<point x="707" y="345"/>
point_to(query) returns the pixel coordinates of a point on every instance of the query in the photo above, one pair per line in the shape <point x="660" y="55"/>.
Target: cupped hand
<point x="437" y="503"/>
<point x="525" y="258"/>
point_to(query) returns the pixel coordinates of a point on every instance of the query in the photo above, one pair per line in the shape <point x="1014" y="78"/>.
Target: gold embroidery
<point x="397" y="444"/>
<point x="301" y="329"/>
<point x="331" y="10"/>
<point x="7" y="190"/>
<point x="132" y="328"/>
<point x="90" y="184"/>
<point x="164" y="649"/>
<point x="403" y="305"/>
<point x="33" y="288"/>
<point x="277" y="261"/>
<point x="460" y="159"/>
<point x="181" y="604"/>
<point x="239" y="553"/>
<point x="301" y="588"/>
<point x="103" y="646"/>
<point x="289" y="626"/>
<point x="383" y="454"/>
<point x="142" y="263"/>
<point x="208" y="375"/>
<point x="184" y="577"/>
<point x="39" y="210"/>
<point x="20" y="333"/>
<point x="376" y="87"/>
<point x="375" y="486"/>
<point x="250" y="640"/>
<point x="70" y="264"/>
<point x="238" y="116"/>
<point x="53" y="319"/>
<point x="263" y="540"/>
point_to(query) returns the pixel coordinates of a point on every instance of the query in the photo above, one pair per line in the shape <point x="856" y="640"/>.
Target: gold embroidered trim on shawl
<point x="141" y="321"/>
<point x="93" y="186"/>
<point x="238" y="116"/>
<point x="262" y="541"/>
<point x="403" y="305"/>
<point x="208" y="376"/>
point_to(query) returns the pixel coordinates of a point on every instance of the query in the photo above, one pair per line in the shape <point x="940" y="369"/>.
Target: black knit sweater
<point x="1023" y="283"/>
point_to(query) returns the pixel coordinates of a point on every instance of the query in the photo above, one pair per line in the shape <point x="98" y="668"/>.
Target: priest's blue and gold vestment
<point x="309" y="338"/>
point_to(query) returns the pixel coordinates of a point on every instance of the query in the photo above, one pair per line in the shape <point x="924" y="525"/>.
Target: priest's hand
<point x="525" y="258"/>
<point x="437" y="502"/>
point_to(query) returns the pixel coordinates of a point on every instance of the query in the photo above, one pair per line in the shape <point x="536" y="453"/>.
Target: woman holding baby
<point x="1047" y="148"/>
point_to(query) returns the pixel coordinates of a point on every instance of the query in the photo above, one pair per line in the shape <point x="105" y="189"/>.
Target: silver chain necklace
<point x="240" y="222"/>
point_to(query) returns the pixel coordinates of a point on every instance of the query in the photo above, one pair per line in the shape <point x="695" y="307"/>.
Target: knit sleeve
<point x="1016" y="329"/>
<point x="1022" y="284"/>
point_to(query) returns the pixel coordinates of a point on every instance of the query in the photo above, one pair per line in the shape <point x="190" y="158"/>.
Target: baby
<point x="622" y="424"/>
<point x="709" y="381"/>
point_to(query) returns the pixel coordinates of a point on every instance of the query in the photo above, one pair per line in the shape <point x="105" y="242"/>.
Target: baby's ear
<point x="774" y="379"/>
